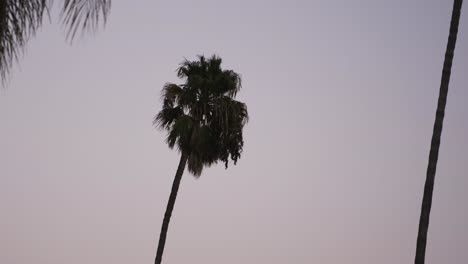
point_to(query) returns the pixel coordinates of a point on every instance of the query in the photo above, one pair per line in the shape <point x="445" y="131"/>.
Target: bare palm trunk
<point x="436" y="134"/>
<point x="170" y="207"/>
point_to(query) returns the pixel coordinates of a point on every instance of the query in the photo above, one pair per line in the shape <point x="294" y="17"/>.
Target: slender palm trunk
<point x="170" y="207"/>
<point x="437" y="132"/>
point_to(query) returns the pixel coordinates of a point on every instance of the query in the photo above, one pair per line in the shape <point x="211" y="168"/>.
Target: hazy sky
<point x="342" y="98"/>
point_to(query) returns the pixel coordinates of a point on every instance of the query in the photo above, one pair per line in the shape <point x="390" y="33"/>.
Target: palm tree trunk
<point x="170" y="207"/>
<point x="437" y="132"/>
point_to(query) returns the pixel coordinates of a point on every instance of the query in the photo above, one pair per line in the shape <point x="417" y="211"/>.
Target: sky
<point x="341" y="97"/>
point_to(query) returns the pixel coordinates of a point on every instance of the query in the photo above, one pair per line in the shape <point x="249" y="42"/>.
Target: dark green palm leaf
<point x="180" y="133"/>
<point x="20" y="20"/>
<point x="195" y="165"/>
<point x="171" y="94"/>
<point x="167" y="116"/>
<point x="84" y="15"/>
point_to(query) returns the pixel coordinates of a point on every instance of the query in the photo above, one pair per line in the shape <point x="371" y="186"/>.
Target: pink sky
<point x="342" y="98"/>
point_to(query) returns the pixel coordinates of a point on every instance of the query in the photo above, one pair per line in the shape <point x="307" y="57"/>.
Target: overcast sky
<point x="342" y="98"/>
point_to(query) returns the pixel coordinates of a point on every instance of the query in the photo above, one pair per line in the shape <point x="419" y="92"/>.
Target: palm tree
<point x="20" y="20"/>
<point x="436" y="134"/>
<point x="203" y="121"/>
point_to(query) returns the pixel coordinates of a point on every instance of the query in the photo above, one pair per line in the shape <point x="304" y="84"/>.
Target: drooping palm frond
<point x="167" y="117"/>
<point x="231" y="82"/>
<point x="19" y="20"/>
<point x="171" y="94"/>
<point x="195" y="165"/>
<point x="84" y="15"/>
<point x="180" y="133"/>
<point x="204" y="150"/>
<point x="229" y="119"/>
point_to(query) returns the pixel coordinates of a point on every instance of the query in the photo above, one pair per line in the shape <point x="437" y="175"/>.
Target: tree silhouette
<point x="203" y="121"/>
<point x="20" y="20"/>
<point x="436" y="134"/>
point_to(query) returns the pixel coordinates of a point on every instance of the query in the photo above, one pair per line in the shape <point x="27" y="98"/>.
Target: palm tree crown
<point x="201" y="116"/>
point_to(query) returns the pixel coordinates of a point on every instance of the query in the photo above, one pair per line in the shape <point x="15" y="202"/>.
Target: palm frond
<point x="214" y="65"/>
<point x="233" y="83"/>
<point x="203" y="144"/>
<point x="84" y="15"/>
<point x="19" y="20"/>
<point x="171" y="93"/>
<point x="180" y="133"/>
<point x="195" y="165"/>
<point x="189" y="69"/>
<point x="229" y="120"/>
<point x="167" y="117"/>
<point x="229" y="113"/>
